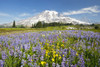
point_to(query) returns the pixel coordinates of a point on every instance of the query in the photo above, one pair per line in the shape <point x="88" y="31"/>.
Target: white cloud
<point x="24" y="14"/>
<point x="93" y="9"/>
<point x="4" y="14"/>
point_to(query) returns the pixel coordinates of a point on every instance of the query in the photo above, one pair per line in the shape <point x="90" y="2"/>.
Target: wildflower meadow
<point x="58" y="48"/>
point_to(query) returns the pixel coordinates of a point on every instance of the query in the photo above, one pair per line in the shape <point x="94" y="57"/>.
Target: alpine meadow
<point x="53" y="33"/>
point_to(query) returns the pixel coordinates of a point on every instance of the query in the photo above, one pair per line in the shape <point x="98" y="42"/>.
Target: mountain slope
<point x="48" y="17"/>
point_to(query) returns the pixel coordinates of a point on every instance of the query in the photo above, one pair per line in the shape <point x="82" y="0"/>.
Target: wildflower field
<point x="58" y="48"/>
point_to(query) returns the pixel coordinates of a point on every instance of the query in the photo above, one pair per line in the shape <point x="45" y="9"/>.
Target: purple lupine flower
<point x="28" y="56"/>
<point x="31" y="65"/>
<point x="63" y="64"/>
<point x="74" y="65"/>
<point x="23" y="62"/>
<point x="24" y="55"/>
<point x="73" y="53"/>
<point x="81" y="62"/>
<point x="65" y="51"/>
<point x="92" y="44"/>
<point x="1" y="63"/>
<point x="22" y="65"/>
<point x="42" y="58"/>
<point x="35" y="65"/>
<point x="89" y="43"/>
<point x="38" y="48"/>
<point x="88" y="47"/>
<point x="64" y="59"/>
<point x="30" y="59"/>
<point x="51" y="41"/>
<point x="20" y="53"/>
<point x="33" y="49"/>
<point x="67" y="65"/>
<point x="53" y="64"/>
<point x="26" y="46"/>
<point x="57" y="65"/>
<point x="4" y="56"/>
<point x="43" y="52"/>
<point x="47" y="65"/>
<point x="99" y="62"/>
<point x="15" y="54"/>
<point x="34" y="56"/>
<point x="11" y="52"/>
<point x="96" y="43"/>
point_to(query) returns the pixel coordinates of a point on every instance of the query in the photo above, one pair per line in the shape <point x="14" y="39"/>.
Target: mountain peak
<point x="50" y="11"/>
<point x="49" y="16"/>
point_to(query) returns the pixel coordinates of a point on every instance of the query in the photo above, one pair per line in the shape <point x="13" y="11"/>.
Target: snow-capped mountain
<point x="48" y="17"/>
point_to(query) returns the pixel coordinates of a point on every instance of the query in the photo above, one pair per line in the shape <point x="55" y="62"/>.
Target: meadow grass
<point x="5" y="31"/>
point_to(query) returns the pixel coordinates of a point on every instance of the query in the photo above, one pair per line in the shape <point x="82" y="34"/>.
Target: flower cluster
<point x="66" y="48"/>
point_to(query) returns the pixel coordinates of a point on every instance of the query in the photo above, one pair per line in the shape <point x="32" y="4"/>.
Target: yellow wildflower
<point x="52" y="45"/>
<point x="41" y="48"/>
<point x="77" y="54"/>
<point x="57" y="43"/>
<point x="59" y="57"/>
<point x="56" y="55"/>
<point x="52" y="49"/>
<point x="63" y="55"/>
<point x="47" y="51"/>
<point x="48" y="47"/>
<point x="46" y="54"/>
<point x="62" y="45"/>
<point x="47" y="44"/>
<point x="58" y="47"/>
<point x="0" y="44"/>
<point x="53" y="59"/>
<point x="54" y="52"/>
<point x="43" y="35"/>
<point x="73" y="47"/>
<point x="40" y="42"/>
<point x="31" y="60"/>
<point x="43" y="62"/>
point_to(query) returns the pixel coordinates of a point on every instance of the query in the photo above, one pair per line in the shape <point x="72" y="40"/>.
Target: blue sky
<point x="85" y="10"/>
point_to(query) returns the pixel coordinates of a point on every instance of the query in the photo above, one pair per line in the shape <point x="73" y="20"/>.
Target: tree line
<point x="42" y="24"/>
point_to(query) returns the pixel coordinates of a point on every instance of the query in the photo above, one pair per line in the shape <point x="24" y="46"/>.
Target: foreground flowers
<point x="74" y="48"/>
<point x="43" y="62"/>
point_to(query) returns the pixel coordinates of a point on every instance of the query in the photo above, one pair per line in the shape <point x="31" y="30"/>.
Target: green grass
<point x="5" y="31"/>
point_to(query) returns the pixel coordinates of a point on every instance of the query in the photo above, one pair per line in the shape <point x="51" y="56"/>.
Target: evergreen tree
<point x="32" y="26"/>
<point x="39" y="25"/>
<point x="96" y="27"/>
<point x="14" y="24"/>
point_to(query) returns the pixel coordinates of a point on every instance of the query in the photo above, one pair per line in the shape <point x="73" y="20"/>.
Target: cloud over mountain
<point x="93" y="9"/>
